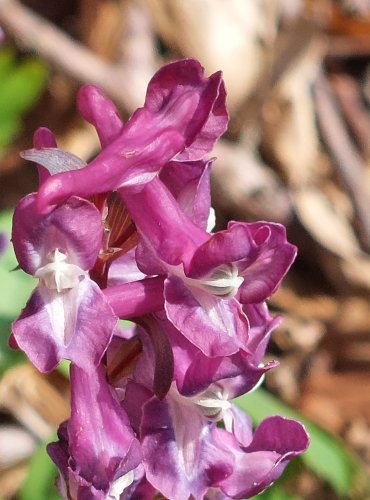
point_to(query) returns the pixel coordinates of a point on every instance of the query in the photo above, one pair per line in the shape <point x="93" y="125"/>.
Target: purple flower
<point x="184" y="452"/>
<point x="183" y="459"/>
<point x="208" y="276"/>
<point x="67" y="315"/>
<point x="97" y="453"/>
<point x="127" y="236"/>
<point x="183" y="115"/>
<point x="261" y="457"/>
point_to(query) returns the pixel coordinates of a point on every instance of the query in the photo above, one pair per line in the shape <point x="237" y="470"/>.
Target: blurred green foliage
<point x="21" y="83"/>
<point x="39" y="483"/>
<point x="15" y="290"/>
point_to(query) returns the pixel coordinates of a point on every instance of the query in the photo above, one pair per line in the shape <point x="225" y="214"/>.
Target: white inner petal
<point x="59" y="274"/>
<point x="224" y="282"/>
<point x="120" y="484"/>
<point x="213" y="404"/>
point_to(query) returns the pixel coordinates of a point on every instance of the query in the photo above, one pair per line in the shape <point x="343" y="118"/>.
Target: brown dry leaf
<point x="357" y="270"/>
<point x="289" y="130"/>
<point x="335" y="233"/>
<point x="317" y="307"/>
<point x="333" y="399"/>
<point x="16" y="444"/>
<point x="233" y="36"/>
<point x="246" y="187"/>
<point x="326" y="225"/>
<point x="32" y="400"/>
<point x="11" y="480"/>
<point x="354" y="317"/>
<point x="105" y="18"/>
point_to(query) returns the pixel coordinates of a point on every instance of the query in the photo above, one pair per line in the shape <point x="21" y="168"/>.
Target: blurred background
<point x="297" y="152"/>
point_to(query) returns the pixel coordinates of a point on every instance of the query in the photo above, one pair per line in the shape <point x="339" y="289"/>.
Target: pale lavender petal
<point x="240" y="425"/>
<point x="217" y="327"/>
<point x="180" y="459"/>
<point x="55" y="160"/>
<point x="75" y="325"/>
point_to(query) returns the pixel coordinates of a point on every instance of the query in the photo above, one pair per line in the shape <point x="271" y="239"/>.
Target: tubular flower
<point x="129" y="236"/>
<point x="67" y="315"/>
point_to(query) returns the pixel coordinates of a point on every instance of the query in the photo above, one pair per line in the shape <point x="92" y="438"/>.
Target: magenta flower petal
<point x="169" y="235"/>
<point x="189" y="182"/>
<point x="136" y="298"/>
<point x="99" y="110"/>
<point x="75" y="228"/>
<point x="43" y="138"/>
<point x="195" y="372"/>
<point x="184" y="112"/>
<point x="126" y="161"/>
<point x="259" y="252"/>
<point x="182" y="80"/>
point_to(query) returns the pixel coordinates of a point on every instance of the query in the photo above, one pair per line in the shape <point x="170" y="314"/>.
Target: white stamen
<point x="213" y="404"/>
<point x="120" y="484"/>
<point x="59" y="274"/>
<point x="224" y="281"/>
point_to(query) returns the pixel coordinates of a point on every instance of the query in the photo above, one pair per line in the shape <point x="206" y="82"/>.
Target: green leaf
<point x="15" y="289"/>
<point x="327" y="456"/>
<point x="7" y="61"/>
<point x="39" y="482"/>
<point x="8" y="357"/>
<point x="9" y="128"/>
<point x="21" y="83"/>
<point x="21" y="87"/>
<point x="63" y="368"/>
<point x="276" y="492"/>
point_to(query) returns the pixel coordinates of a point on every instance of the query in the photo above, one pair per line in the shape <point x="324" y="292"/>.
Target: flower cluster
<point x="127" y="236"/>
